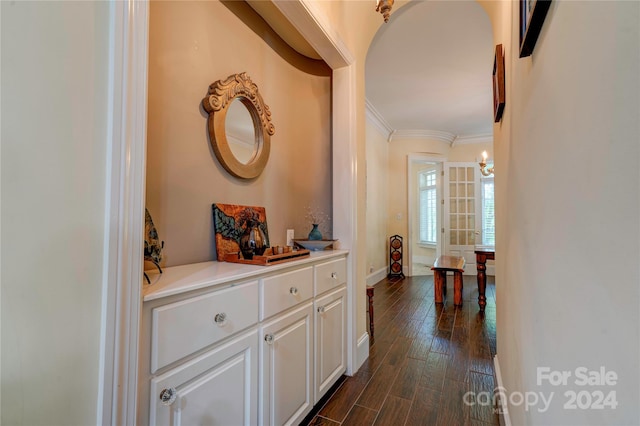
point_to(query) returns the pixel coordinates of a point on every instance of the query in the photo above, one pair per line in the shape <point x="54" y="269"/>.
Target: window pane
<point x="470" y="176"/>
<point x="452" y="174"/>
<point x="428" y="208"/>
<point x="462" y="238"/>
<point x="453" y="204"/>
<point x="471" y="206"/>
<point x="454" y="237"/>
<point x="452" y="190"/>
<point x="462" y="206"/>
<point x="453" y="219"/>
<point x="462" y="190"/>
<point x="461" y="174"/>
<point x="488" y="213"/>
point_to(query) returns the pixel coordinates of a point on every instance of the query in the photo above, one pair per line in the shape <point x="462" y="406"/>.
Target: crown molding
<point x="472" y="139"/>
<point x="378" y="121"/>
<point x="375" y="118"/>
<point x="423" y="134"/>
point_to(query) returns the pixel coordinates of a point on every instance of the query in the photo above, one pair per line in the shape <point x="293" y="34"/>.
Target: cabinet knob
<point x="321" y="310"/>
<point x="168" y="396"/>
<point x="269" y="339"/>
<point x="293" y="290"/>
<point x="334" y="275"/>
<point x="220" y="318"/>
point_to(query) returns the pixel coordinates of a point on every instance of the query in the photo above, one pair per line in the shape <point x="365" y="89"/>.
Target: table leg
<point x="439" y="280"/>
<point x="370" y="296"/>
<point x="457" y="288"/>
<point x="481" y="262"/>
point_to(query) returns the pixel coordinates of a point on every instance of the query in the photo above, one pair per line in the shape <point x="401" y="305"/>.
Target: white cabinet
<point x="330" y="340"/>
<point x="219" y="387"/>
<point x="235" y="344"/>
<point x="286" y="367"/>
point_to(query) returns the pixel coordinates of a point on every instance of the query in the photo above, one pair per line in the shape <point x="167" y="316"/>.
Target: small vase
<point x="252" y="241"/>
<point x="315" y="233"/>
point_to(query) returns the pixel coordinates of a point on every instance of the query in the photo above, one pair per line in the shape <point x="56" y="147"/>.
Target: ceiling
<point x="429" y="71"/>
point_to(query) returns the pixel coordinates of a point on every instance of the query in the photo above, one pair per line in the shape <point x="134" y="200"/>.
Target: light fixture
<point x="483" y="165"/>
<point x="384" y="7"/>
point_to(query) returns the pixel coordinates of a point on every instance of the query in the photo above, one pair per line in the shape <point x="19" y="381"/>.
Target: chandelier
<point x="384" y="7"/>
<point x="483" y="165"/>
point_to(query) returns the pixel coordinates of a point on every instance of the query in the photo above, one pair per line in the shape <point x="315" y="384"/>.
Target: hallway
<point x="422" y="361"/>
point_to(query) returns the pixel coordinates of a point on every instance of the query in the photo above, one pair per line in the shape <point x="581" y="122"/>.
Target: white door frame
<point x="123" y="265"/>
<point x="124" y="212"/>
<point x="411" y="201"/>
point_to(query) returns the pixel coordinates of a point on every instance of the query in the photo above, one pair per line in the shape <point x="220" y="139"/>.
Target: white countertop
<point x="184" y="278"/>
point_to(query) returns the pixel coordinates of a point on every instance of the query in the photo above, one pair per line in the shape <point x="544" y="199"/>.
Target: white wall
<point x="54" y="110"/>
<point x="567" y="181"/>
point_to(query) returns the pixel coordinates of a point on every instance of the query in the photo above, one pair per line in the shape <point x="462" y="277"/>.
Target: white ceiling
<point x="429" y="70"/>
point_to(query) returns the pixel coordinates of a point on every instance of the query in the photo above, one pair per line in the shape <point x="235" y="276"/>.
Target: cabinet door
<point x="218" y="387"/>
<point x="287" y="367"/>
<point x="331" y="340"/>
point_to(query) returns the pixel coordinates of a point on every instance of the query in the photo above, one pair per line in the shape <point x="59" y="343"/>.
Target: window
<point x="428" y="207"/>
<point x="488" y="212"/>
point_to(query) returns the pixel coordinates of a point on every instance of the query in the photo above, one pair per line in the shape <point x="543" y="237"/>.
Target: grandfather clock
<point x="395" y="255"/>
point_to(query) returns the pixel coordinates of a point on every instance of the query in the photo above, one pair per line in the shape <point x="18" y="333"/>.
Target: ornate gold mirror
<point x="239" y="125"/>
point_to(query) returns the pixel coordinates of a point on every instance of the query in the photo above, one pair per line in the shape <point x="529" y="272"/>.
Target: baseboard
<point x="362" y="351"/>
<point x="377" y="276"/>
<point x="504" y="410"/>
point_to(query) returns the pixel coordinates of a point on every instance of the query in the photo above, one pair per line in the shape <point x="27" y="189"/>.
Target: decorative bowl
<point x="315" y="245"/>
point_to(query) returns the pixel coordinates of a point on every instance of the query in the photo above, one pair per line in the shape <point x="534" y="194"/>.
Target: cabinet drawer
<point x="285" y="290"/>
<point x="329" y="275"/>
<point x="181" y="328"/>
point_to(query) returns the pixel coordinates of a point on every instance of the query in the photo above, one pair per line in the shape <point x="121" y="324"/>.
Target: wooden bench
<point x="443" y="264"/>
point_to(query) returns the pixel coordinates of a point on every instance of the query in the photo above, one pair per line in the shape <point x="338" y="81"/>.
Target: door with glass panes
<point x="462" y="215"/>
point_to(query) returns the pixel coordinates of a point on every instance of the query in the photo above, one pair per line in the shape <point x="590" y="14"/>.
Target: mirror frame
<point x="217" y="102"/>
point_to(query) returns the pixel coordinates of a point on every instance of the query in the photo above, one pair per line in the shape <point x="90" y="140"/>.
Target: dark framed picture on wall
<point x="532" y="14"/>
<point x="498" y="84"/>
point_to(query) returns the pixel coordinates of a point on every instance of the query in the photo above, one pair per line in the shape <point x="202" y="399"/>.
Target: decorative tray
<point x="268" y="258"/>
<point x="315" y="245"/>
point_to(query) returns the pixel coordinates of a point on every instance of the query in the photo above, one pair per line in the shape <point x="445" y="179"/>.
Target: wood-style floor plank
<point x="394" y="411"/>
<point x="360" y="416"/>
<point x="424" y="358"/>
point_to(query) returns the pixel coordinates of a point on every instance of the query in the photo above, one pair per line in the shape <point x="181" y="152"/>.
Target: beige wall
<point x="54" y="163"/>
<point x="377" y="194"/>
<point x="567" y="192"/>
<point x="193" y="44"/>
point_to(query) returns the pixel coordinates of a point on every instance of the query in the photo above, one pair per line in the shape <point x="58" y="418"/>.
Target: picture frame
<point x="498" y="84"/>
<point x="532" y="15"/>
<point x="230" y="221"/>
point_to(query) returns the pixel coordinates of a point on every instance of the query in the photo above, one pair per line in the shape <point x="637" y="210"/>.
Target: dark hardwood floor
<point x="423" y="360"/>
